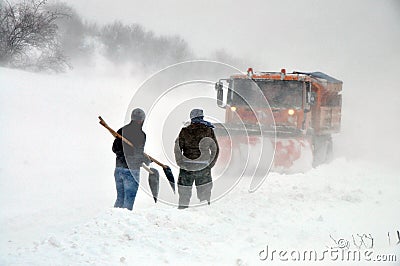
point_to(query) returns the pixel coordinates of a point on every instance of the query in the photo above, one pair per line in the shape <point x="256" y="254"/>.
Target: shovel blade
<point x="154" y="183"/>
<point x="170" y="177"/>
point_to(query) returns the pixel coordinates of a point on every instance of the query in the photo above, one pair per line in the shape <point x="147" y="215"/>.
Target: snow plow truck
<point x="301" y="112"/>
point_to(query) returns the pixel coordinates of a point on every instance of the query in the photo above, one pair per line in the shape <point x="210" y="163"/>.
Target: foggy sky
<point x="293" y="34"/>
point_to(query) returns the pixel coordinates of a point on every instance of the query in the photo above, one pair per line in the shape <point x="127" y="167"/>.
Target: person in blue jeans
<point x="127" y="184"/>
<point x="129" y="159"/>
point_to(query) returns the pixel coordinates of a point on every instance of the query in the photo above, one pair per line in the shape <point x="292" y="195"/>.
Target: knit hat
<point x="196" y="113"/>
<point x="138" y="115"/>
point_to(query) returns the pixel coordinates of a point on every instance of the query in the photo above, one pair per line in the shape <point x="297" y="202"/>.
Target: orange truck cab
<point x="304" y="111"/>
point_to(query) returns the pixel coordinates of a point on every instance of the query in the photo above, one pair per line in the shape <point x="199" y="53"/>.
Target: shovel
<point x="166" y="168"/>
<point x="154" y="183"/>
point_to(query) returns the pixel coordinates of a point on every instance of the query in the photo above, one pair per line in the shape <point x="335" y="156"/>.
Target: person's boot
<point x="208" y="201"/>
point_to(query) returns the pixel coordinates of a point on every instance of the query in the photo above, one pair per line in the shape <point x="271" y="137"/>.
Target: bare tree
<point x="28" y="36"/>
<point x="222" y="55"/>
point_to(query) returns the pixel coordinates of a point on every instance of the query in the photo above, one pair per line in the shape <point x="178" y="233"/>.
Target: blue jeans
<point x="127" y="184"/>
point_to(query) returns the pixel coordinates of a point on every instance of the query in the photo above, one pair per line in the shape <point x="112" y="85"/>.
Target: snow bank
<point x="290" y="212"/>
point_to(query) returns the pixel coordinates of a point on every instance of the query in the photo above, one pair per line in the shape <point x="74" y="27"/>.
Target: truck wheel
<point x="322" y="150"/>
<point x="329" y="151"/>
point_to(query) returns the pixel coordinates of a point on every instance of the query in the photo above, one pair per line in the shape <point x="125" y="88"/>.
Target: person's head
<point x="138" y="115"/>
<point x="196" y="113"/>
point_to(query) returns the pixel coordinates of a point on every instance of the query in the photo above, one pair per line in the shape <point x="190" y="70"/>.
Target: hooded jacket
<point x="196" y="147"/>
<point x="128" y="157"/>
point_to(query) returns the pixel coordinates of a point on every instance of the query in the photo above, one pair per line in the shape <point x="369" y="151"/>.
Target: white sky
<point x="301" y="35"/>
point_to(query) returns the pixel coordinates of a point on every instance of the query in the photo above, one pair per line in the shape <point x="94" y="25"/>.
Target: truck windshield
<point x="279" y="93"/>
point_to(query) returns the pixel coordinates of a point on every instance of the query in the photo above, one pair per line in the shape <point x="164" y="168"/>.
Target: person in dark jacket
<point x="196" y="152"/>
<point x="129" y="160"/>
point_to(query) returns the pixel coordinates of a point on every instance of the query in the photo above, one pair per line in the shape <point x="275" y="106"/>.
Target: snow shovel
<point x="154" y="183"/>
<point x="166" y="168"/>
<point x="167" y="171"/>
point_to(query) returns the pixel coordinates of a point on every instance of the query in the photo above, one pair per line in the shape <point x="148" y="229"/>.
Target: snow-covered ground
<point x="57" y="192"/>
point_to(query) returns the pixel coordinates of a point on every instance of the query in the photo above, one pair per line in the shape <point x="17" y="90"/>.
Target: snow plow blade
<point x="292" y="152"/>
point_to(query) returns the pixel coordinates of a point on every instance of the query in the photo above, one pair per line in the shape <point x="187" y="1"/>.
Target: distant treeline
<point x="38" y="35"/>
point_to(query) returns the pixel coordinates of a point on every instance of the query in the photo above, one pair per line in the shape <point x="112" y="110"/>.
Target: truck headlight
<point x="290" y="112"/>
<point x="233" y="108"/>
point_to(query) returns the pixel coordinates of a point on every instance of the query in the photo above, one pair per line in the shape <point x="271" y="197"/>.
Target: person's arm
<point x="178" y="149"/>
<point x="146" y="159"/>
<point x="214" y="148"/>
<point x="117" y="145"/>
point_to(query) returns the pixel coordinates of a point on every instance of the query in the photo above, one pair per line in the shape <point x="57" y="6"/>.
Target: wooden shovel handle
<point x="116" y="135"/>
<point x="156" y="161"/>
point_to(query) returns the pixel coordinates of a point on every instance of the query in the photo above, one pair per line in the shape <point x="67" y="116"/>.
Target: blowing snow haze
<point x="354" y="41"/>
<point x="57" y="187"/>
